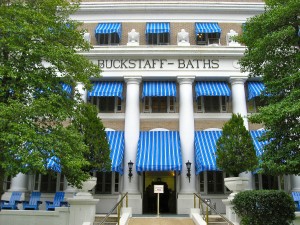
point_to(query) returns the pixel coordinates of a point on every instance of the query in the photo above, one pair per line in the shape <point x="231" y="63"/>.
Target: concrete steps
<point x="216" y="220"/>
<point x="111" y="220"/>
<point x="160" y="221"/>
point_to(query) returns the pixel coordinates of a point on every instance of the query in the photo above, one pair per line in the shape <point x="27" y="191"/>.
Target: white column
<point x="239" y="98"/>
<point x="19" y="183"/>
<point x="83" y="92"/>
<point x="132" y="130"/>
<point x="186" y="130"/>
<point x="295" y="183"/>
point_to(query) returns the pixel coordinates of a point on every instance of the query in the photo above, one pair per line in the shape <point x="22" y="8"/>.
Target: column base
<point x="135" y="201"/>
<point x="184" y="203"/>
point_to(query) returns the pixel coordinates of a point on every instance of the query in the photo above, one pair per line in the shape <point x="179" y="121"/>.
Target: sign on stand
<point x="158" y="189"/>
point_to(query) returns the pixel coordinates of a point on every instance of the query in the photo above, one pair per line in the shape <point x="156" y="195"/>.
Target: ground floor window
<point x="268" y="182"/>
<point x="212" y="182"/>
<point x="49" y="183"/>
<point x="107" y="183"/>
<point x="7" y="183"/>
<point x="212" y="104"/>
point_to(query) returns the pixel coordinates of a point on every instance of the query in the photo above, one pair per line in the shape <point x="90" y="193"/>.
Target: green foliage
<point x="92" y="130"/>
<point x="235" y="149"/>
<point x="273" y="53"/>
<point x="39" y="47"/>
<point x="264" y="207"/>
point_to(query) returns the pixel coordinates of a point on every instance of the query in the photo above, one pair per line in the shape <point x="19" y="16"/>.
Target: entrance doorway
<point x="167" y="200"/>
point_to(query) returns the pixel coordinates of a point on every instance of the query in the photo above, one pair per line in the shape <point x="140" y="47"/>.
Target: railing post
<point x="206" y="214"/>
<point x="126" y="200"/>
<point x="119" y="209"/>
<point x="194" y="201"/>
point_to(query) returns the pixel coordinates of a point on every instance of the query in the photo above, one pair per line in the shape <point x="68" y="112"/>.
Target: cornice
<point x="166" y="51"/>
<point x="175" y="6"/>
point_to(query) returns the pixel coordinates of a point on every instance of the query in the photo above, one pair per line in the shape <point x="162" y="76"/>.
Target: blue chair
<point x="296" y="197"/>
<point x="13" y="202"/>
<point x="34" y="201"/>
<point x="58" y="201"/>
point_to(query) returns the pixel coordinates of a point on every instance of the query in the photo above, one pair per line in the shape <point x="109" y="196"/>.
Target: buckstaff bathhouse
<point x="170" y="80"/>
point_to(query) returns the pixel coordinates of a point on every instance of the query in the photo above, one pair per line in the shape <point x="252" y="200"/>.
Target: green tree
<point x="235" y="149"/>
<point x="272" y="53"/>
<point x="39" y="47"/>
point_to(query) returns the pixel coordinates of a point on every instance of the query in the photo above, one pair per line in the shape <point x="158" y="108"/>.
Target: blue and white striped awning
<point x="205" y="150"/>
<point x="159" y="151"/>
<point x="107" y="89"/>
<point x="157" y="28"/>
<point x="159" y="89"/>
<point x="67" y="88"/>
<point x="116" y="143"/>
<point x="53" y="163"/>
<point x="109" y="28"/>
<point x="201" y="28"/>
<point x="258" y="145"/>
<point x="212" y="88"/>
<point x="254" y="89"/>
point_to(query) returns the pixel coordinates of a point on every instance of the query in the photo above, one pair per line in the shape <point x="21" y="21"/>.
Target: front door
<point x="167" y="200"/>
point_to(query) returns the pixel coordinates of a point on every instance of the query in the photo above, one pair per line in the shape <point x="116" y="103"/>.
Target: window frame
<point x="60" y="183"/>
<point x="259" y="182"/>
<point x="114" y="184"/>
<point x="208" y="38"/>
<point x="95" y="100"/>
<point x="158" y="38"/>
<point x="108" y="39"/>
<point x="223" y="104"/>
<point x="203" y="181"/>
<point x="171" y="104"/>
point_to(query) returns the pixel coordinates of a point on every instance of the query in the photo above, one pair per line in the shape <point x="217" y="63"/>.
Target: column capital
<point x="185" y="79"/>
<point x="238" y="80"/>
<point x="133" y="80"/>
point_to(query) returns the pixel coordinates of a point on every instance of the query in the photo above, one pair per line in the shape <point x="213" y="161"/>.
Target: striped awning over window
<point x="53" y="163"/>
<point x="159" y="89"/>
<point x="254" y="89"/>
<point x="212" y="88"/>
<point x="109" y="28"/>
<point x="205" y="149"/>
<point x="201" y="28"/>
<point x="259" y="145"/>
<point x="107" y="89"/>
<point x="116" y="143"/>
<point x="157" y="28"/>
<point x="159" y="151"/>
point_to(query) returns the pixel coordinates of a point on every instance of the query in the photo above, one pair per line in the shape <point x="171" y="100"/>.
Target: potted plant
<point x="235" y="153"/>
<point x="92" y="130"/>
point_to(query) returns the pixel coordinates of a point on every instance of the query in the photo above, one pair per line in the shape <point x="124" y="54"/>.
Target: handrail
<point x="118" y="210"/>
<point x="207" y="205"/>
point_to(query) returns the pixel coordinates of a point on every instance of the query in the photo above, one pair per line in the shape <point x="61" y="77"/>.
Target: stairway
<point x="216" y="220"/>
<point x="160" y="221"/>
<point x="111" y="220"/>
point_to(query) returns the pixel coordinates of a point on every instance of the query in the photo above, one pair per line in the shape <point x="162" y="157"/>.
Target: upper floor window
<point x="207" y="33"/>
<point x="159" y="104"/>
<point x="212" y="96"/>
<point x="107" y="96"/>
<point x="212" y="104"/>
<point x="108" y="33"/>
<point x="158" y="33"/>
<point x="255" y="89"/>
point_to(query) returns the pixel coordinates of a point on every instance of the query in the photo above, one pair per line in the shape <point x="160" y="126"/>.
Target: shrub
<point x="264" y="207"/>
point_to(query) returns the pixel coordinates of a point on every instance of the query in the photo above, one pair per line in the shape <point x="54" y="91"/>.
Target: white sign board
<point x="158" y="188"/>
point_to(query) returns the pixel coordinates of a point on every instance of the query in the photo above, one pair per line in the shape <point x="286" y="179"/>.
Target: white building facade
<point x="170" y="80"/>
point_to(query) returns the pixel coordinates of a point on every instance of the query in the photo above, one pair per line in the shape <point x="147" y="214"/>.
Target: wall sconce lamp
<point x="188" y="166"/>
<point x="130" y="164"/>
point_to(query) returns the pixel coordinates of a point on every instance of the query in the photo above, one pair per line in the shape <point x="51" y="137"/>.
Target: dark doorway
<point x="167" y="200"/>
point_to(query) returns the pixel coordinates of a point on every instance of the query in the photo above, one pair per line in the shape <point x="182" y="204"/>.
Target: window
<point x="208" y="38"/>
<point x="268" y="182"/>
<point x="107" y="104"/>
<point x="49" y="183"/>
<point x="212" y="104"/>
<point x="159" y="104"/>
<point x="158" y="38"/>
<point x="108" y="39"/>
<point x="107" y="183"/>
<point x="212" y="182"/>
<point x="7" y="183"/>
<point x="254" y="104"/>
